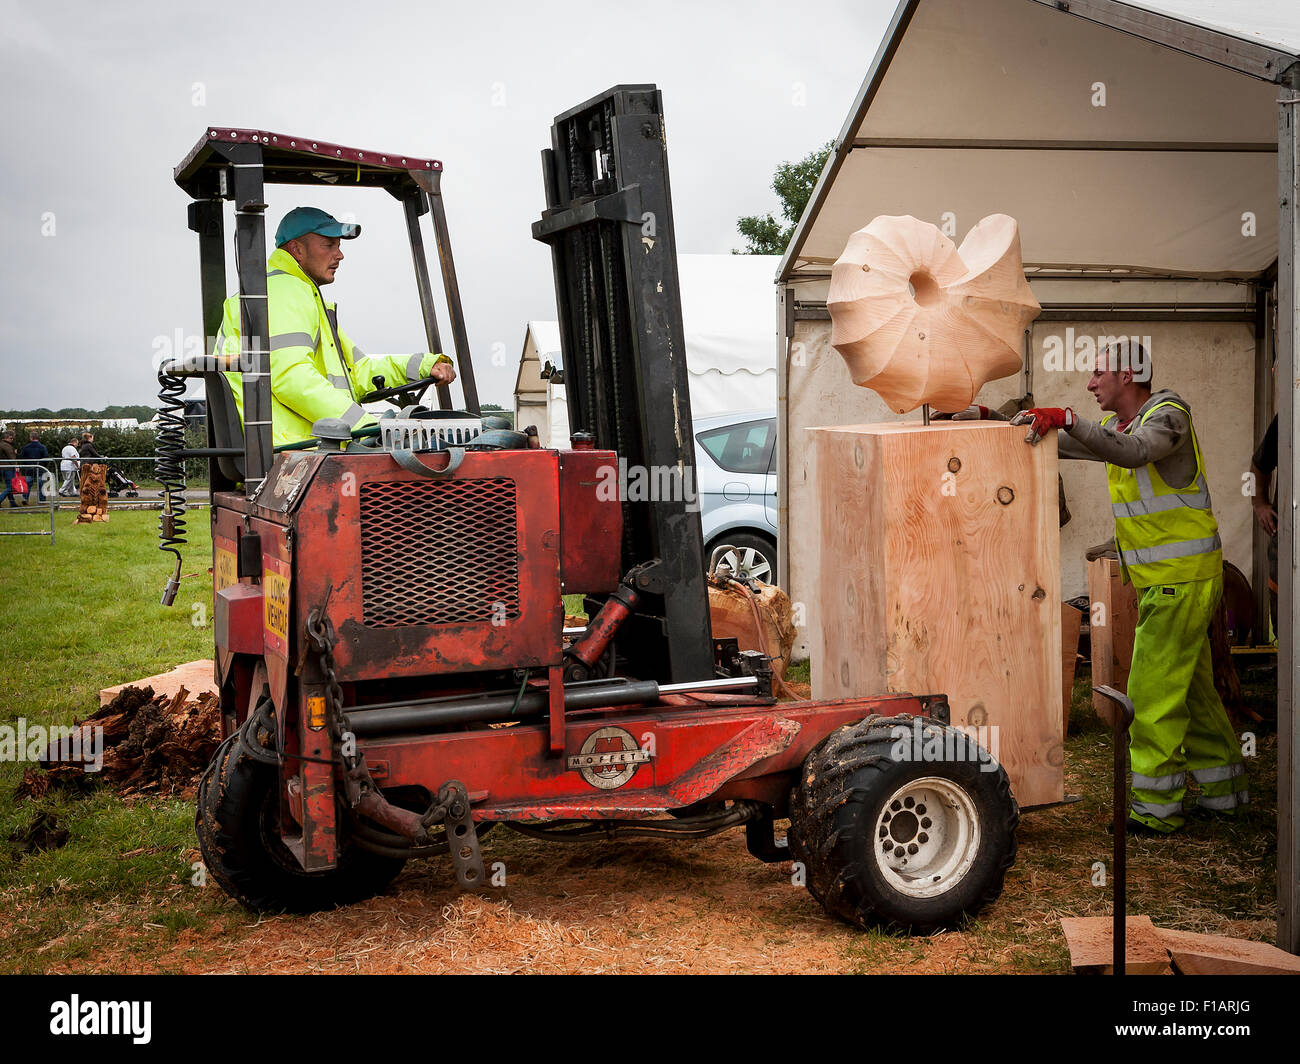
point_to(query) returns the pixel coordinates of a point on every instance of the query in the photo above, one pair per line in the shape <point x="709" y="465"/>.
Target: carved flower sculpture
<point x="922" y="321"/>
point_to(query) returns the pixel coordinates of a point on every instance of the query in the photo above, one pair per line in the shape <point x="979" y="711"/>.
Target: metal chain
<point x="320" y="630"/>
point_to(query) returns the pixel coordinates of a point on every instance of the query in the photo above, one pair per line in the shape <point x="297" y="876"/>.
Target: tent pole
<point x="1288" y="340"/>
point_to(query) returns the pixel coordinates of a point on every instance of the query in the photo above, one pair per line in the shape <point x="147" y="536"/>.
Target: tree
<point x="793" y="183"/>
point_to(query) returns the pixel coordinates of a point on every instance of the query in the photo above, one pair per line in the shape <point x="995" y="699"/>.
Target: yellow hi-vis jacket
<point x="1165" y="535"/>
<point x="316" y="370"/>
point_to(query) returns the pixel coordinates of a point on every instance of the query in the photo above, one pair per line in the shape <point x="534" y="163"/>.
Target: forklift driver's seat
<point x="224" y="425"/>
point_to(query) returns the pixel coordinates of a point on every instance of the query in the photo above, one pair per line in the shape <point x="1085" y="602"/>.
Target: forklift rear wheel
<point x="899" y="824"/>
<point x="238" y="825"/>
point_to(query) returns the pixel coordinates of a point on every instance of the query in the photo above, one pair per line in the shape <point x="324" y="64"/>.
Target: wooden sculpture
<point x="94" y="494"/>
<point x="921" y="321"/>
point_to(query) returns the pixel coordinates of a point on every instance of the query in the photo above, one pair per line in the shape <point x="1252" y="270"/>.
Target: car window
<point x="743" y="448"/>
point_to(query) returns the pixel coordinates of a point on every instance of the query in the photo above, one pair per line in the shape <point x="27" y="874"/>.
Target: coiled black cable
<point x="169" y="469"/>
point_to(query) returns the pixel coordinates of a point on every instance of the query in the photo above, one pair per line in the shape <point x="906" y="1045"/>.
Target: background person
<point x="68" y="467"/>
<point x="1263" y="465"/>
<point x="8" y="455"/>
<point x="33" y="449"/>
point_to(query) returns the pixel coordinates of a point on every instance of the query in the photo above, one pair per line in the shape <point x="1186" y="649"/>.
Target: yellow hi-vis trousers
<point x="1180" y="725"/>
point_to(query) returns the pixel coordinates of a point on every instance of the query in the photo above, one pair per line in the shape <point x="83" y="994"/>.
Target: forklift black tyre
<point x="904" y="824"/>
<point x="237" y="822"/>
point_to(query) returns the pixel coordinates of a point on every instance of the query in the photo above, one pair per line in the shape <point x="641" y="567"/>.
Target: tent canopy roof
<point x="1125" y="138"/>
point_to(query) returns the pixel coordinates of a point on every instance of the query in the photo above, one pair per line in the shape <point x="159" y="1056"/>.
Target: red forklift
<point x="395" y="673"/>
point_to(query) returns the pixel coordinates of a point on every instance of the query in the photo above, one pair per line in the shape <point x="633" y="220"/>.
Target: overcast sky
<point x="102" y="100"/>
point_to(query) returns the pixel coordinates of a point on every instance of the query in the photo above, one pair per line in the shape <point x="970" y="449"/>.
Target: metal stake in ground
<point x="1119" y="807"/>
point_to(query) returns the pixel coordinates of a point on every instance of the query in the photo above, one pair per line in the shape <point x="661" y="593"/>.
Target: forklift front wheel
<point x="901" y="820"/>
<point x="238" y="825"/>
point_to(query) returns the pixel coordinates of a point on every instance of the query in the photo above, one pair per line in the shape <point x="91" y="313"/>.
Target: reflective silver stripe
<point x="1219" y="772"/>
<point x="1224" y="801"/>
<point x="357" y="353"/>
<point x="278" y="273"/>
<point x="339" y="382"/>
<point x="1147" y="555"/>
<point x="412" y="367"/>
<point x="1160" y="783"/>
<point x="1161" y="504"/>
<point x="352" y="415"/>
<point x="1160" y="809"/>
<point x="298" y="339"/>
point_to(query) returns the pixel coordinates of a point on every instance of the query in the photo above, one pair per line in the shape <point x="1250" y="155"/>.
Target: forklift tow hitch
<point x="451" y="810"/>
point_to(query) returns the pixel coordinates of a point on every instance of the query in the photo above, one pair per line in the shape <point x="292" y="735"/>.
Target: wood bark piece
<point x="154" y="744"/>
<point x="1197" y="954"/>
<point x="732" y="617"/>
<point x="198" y="677"/>
<point x="921" y="321"/>
<point x="938" y="572"/>
<point x="1112" y="627"/>
<point x="1091" y="953"/>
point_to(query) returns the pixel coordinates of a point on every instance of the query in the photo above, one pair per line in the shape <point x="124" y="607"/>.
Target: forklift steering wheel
<point x="404" y="394"/>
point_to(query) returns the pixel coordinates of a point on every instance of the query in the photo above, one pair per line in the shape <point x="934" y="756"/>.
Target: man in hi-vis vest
<point x="1169" y="547"/>
<point x="316" y="370"/>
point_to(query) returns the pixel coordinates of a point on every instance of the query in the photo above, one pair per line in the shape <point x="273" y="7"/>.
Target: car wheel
<point x="751" y="557"/>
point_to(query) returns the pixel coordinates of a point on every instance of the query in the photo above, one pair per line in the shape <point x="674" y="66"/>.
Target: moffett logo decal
<point x="609" y="758"/>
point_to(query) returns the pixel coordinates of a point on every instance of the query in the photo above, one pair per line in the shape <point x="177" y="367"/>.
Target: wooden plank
<point x="197" y="677"/>
<point x="1197" y="954"/>
<point x="1091" y="952"/>
<point x="1112" y="626"/>
<point x="938" y="572"/>
<point x="1071" y="622"/>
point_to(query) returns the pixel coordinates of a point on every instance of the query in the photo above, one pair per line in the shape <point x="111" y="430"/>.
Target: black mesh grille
<point x="438" y="553"/>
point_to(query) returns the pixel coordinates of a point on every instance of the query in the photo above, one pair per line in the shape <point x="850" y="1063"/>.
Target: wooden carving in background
<point x="94" y="494"/>
<point x="919" y="320"/>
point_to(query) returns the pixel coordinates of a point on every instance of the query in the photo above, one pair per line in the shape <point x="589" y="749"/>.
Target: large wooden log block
<point x="938" y="573"/>
<point x="1112" y="626"/>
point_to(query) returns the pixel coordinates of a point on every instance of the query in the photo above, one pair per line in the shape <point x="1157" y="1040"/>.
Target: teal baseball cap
<point x="303" y="220"/>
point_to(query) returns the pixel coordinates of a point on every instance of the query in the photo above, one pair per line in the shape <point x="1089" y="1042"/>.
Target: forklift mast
<point x="609" y="225"/>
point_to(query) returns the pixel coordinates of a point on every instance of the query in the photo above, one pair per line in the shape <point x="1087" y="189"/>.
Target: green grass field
<point x="75" y="617"/>
<point x="84" y="614"/>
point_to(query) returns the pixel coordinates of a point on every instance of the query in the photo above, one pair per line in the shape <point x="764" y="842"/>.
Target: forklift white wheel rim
<point x="923" y="860"/>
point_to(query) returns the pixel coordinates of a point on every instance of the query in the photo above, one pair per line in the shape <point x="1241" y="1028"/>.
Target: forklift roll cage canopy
<point x="236" y="165"/>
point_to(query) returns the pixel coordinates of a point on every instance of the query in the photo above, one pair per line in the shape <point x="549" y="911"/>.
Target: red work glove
<point x="1042" y="419"/>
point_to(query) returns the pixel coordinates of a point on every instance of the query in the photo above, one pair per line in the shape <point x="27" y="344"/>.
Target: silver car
<point x="735" y="462"/>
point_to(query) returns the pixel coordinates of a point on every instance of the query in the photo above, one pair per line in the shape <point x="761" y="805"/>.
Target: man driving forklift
<point x="316" y="370"/>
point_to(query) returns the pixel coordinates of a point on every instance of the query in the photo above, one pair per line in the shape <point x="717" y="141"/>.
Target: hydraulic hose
<point x="169" y="466"/>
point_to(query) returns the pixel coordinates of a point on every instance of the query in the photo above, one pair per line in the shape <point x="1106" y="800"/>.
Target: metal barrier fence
<point x="129" y="484"/>
<point x="37" y="475"/>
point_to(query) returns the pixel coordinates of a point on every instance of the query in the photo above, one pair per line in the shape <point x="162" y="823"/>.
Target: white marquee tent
<point x="1149" y="153"/>
<point x="727" y="319"/>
